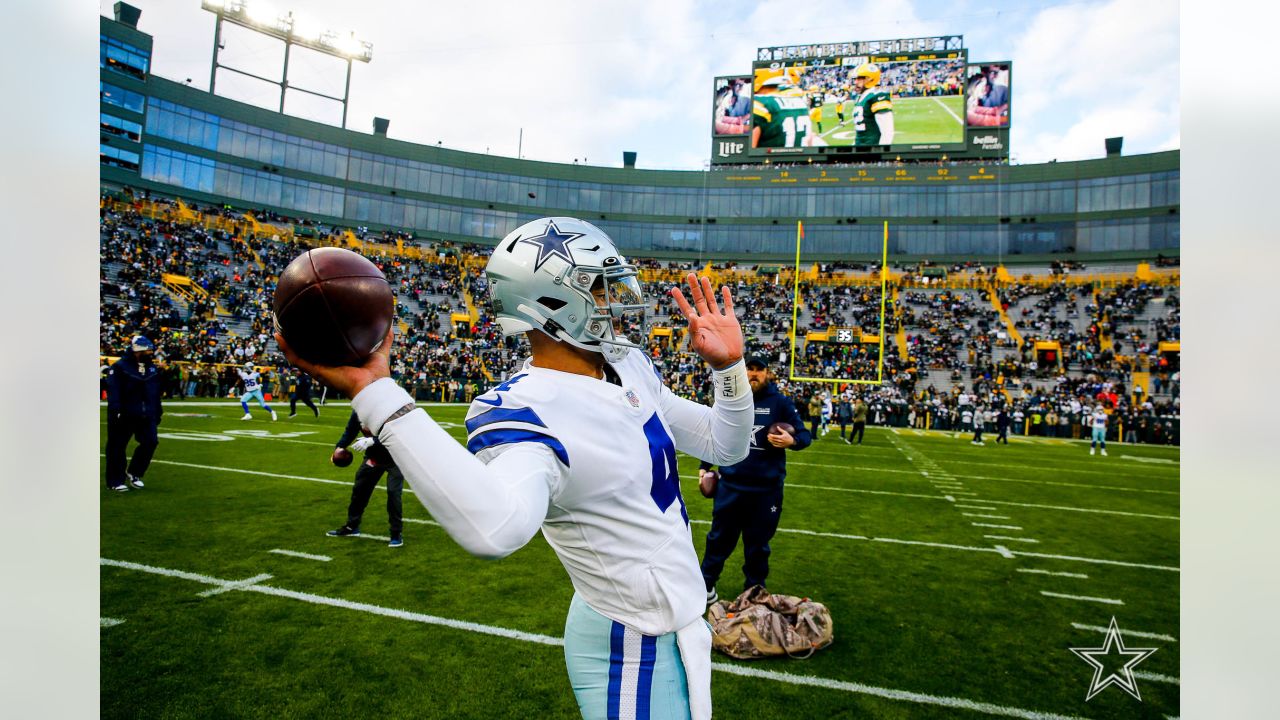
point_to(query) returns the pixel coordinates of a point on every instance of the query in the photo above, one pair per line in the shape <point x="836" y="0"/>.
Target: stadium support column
<point x="346" y="94"/>
<point x="217" y="40"/>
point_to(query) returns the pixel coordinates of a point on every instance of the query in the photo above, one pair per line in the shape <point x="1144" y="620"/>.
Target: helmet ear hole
<point x="551" y="303"/>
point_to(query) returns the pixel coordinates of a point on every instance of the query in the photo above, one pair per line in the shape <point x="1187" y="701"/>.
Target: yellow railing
<point x="1004" y="316"/>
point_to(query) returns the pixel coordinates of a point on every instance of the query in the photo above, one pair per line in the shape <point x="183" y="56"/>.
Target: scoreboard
<point x="918" y="99"/>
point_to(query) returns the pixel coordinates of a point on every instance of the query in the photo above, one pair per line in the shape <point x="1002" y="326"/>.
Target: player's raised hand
<point x="346" y="379"/>
<point x="714" y="332"/>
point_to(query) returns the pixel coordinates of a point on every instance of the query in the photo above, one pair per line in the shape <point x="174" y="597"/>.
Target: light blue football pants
<point x="620" y="674"/>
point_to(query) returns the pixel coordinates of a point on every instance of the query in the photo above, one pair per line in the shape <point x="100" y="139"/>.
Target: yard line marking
<point x="950" y="499"/>
<point x="1140" y="458"/>
<point x="1011" y="538"/>
<point x="888" y="693"/>
<point x="856" y="467"/>
<point x="1135" y="633"/>
<point x="1119" y="563"/>
<point x="989" y="517"/>
<point x="895" y="431"/>
<point x="1097" y="561"/>
<point x="787" y="678"/>
<point x="797" y="531"/>
<point x="1083" y="510"/>
<point x="304" y="556"/>
<point x="949" y="110"/>
<point x="107" y="622"/>
<point x="858" y="490"/>
<point x="346" y="604"/>
<point x="972" y="494"/>
<point x="997" y="527"/>
<point x="1055" y="573"/>
<point x="1156" y="677"/>
<point x="1005" y="552"/>
<point x="236" y="585"/>
<point x="1086" y="598"/>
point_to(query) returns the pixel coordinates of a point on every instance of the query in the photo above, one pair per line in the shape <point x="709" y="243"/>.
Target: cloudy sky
<point x="588" y="80"/>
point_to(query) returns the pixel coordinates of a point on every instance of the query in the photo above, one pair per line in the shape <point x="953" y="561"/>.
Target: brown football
<point x="787" y="428"/>
<point x="333" y="306"/>
<point x="707" y="485"/>
<point x="341" y="457"/>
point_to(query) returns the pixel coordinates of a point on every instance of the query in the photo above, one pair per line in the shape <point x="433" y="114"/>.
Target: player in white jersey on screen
<point x="252" y="380"/>
<point x="581" y="443"/>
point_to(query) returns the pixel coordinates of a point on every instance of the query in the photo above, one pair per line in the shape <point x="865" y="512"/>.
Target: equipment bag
<point x="758" y="624"/>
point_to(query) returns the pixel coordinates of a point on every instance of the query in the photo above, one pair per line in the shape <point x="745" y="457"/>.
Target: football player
<point x="779" y="111"/>
<point x="581" y="443"/>
<point x="252" y="389"/>
<point x="872" y="109"/>
<point x="816" y="98"/>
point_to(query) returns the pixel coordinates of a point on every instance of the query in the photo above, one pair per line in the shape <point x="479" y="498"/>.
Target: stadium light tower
<point x="292" y="31"/>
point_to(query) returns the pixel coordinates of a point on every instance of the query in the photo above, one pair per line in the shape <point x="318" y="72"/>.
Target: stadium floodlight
<point x="292" y="30"/>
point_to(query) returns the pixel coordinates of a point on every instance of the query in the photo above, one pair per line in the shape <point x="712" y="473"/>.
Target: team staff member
<point x="859" y="420"/>
<point x="133" y="411"/>
<point x="748" y="496"/>
<point x="301" y="391"/>
<point x="376" y="462"/>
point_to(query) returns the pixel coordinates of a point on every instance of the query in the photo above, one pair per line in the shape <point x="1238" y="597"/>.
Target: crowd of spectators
<point x="958" y="356"/>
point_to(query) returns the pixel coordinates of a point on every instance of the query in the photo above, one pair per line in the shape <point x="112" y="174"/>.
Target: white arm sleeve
<point x="492" y="509"/>
<point x="720" y="434"/>
<point x="885" y="120"/>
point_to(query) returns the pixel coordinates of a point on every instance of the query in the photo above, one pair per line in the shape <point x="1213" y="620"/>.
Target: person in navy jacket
<point x="133" y="411"/>
<point x="748" y="495"/>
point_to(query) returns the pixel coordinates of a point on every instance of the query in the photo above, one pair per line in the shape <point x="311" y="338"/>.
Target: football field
<point x="916" y="120"/>
<point x="958" y="578"/>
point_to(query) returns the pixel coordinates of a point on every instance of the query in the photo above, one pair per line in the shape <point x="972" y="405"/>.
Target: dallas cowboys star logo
<point x="1122" y="678"/>
<point x="551" y="243"/>
<point x="755" y="429"/>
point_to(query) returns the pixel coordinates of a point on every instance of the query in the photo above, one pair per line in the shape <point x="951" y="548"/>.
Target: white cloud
<point x="1087" y="72"/>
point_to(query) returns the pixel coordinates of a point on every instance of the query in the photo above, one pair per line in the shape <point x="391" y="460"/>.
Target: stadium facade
<point x="173" y="139"/>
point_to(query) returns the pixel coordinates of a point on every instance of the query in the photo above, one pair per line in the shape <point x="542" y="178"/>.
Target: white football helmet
<point x="564" y="277"/>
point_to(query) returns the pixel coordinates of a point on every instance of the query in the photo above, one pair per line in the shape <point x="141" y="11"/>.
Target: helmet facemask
<point x="618" y="323"/>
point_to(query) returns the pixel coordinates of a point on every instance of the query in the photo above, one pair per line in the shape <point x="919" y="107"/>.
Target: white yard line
<point x="1010" y="538"/>
<point x="1120" y="563"/>
<point x="1085" y="598"/>
<point x="951" y="113"/>
<point x="1134" y="633"/>
<point x="989" y="517"/>
<point x="1036" y="571"/>
<point x="732" y="669"/>
<point x="997" y="527"/>
<point x="107" y="622"/>
<point x="304" y="556"/>
<point x="236" y="585"/>
<point x="1156" y="677"/>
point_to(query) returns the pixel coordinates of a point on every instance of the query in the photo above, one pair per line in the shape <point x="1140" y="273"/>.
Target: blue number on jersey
<point x="666" y="479"/>
<point x="501" y="388"/>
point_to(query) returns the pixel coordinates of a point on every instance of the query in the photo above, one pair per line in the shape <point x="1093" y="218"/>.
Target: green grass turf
<point x="915" y="120"/>
<point x="949" y="618"/>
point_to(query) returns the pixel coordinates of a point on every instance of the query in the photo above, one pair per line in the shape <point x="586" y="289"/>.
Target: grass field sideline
<point x="215" y="602"/>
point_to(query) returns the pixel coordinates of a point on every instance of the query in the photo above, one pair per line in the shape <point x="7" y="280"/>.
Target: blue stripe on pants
<point x="648" y="653"/>
<point x="616" y="634"/>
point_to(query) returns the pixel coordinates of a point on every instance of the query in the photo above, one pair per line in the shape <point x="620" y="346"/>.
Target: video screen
<point x="987" y="95"/>
<point x="732" y="113"/>
<point x="860" y="102"/>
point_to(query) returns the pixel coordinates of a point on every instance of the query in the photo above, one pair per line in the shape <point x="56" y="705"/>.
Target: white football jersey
<point x="250" y="379"/>
<point x="616" y="518"/>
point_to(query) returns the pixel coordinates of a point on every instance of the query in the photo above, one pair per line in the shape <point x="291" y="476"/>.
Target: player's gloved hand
<point x="361" y="444"/>
<point x="714" y="332"/>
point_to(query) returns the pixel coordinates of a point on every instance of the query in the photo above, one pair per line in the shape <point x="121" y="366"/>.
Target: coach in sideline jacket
<point x="133" y="411"/>
<point x="748" y="497"/>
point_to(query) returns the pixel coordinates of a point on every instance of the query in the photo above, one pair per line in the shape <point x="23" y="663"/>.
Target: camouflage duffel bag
<point x="758" y="624"/>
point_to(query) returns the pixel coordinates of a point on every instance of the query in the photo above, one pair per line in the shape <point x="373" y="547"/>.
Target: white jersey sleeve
<point x="720" y="434"/>
<point x="490" y="510"/>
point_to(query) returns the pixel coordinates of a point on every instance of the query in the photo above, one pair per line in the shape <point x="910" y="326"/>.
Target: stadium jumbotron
<point x="990" y="323"/>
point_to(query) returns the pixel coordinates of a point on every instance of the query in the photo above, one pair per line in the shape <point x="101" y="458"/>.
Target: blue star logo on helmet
<point x="552" y="242"/>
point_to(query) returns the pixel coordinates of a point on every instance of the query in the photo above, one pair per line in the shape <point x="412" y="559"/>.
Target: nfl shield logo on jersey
<point x="633" y="398"/>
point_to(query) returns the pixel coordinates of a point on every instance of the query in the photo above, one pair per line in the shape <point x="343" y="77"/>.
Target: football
<point x="333" y="306"/>
<point x="341" y="457"/>
<point x="707" y="485"/>
<point x="787" y="428"/>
